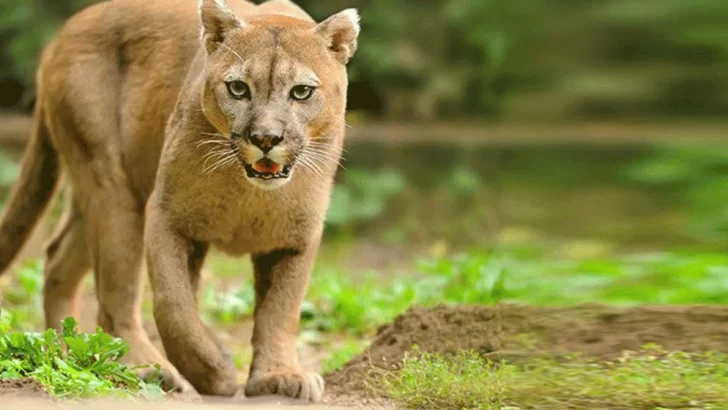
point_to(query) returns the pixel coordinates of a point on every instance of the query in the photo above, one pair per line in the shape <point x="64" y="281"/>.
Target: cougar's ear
<point x="341" y="31"/>
<point x="217" y="22"/>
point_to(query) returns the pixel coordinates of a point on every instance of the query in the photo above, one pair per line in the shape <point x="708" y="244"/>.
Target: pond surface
<point x="592" y="197"/>
<point x="575" y="198"/>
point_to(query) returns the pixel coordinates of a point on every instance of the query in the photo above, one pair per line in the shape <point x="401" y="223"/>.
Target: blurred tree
<point x="25" y="27"/>
<point x="492" y="59"/>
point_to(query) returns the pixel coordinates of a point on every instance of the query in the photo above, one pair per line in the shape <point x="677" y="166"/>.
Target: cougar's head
<point x="275" y="90"/>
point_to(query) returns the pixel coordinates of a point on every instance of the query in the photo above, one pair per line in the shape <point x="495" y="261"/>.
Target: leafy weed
<point x="71" y="365"/>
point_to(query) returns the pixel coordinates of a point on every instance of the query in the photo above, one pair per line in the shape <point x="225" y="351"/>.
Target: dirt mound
<point x="518" y="332"/>
<point x="21" y="388"/>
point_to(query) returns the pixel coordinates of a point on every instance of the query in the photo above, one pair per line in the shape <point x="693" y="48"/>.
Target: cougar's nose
<point x="265" y="142"/>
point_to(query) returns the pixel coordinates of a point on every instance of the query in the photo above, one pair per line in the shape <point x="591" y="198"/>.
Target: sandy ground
<point x="259" y="403"/>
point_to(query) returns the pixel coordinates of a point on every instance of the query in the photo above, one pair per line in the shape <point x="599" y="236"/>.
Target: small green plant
<point x="338" y="302"/>
<point x="72" y="366"/>
<point x="362" y="196"/>
<point x="29" y="283"/>
<point x="341" y="356"/>
<point x="23" y="302"/>
<point x="648" y="379"/>
<point x="467" y="278"/>
<point x="698" y="170"/>
<point x="229" y="306"/>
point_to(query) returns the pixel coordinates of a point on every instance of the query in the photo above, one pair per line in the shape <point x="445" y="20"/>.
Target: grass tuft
<point x="648" y="379"/>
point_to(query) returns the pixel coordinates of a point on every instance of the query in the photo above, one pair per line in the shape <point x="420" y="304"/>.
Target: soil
<point x="513" y="332"/>
<point x="25" y="388"/>
<point x="518" y="333"/>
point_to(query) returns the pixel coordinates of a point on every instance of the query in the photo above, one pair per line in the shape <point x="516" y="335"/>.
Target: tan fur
<point x="133" y="104"/>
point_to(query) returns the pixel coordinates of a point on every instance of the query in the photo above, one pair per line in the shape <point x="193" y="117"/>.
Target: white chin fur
<point x="270" y="184"/>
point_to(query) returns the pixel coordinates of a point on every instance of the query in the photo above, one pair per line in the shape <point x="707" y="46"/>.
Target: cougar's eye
<point x="302" y="92"/>
<point x="238" y="89"/>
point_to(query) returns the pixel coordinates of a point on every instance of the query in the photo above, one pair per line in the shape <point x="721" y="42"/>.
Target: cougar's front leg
<point x="281" y="279"/>
<point x="189" y="344"/>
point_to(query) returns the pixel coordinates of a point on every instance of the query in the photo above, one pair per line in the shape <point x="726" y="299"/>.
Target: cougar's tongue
<point x="265" y="165"/>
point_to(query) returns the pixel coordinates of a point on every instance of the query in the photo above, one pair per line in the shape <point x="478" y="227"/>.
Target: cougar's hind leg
<point x="116" y="233"/>
<point x="88" y="125"/>
<point x="67" y="262"/>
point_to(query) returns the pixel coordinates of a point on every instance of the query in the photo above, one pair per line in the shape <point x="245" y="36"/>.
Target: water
<point x="607" y="196"/>
<point x="591" y="197"/>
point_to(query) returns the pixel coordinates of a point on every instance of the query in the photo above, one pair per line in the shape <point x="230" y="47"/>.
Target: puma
<point x="178" y="126"/>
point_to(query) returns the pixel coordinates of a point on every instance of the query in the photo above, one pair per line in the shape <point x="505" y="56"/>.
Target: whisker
<point x="346" y="124"/>
<point x="213" y="134"/>
<point x="233" y="51"/>
<point x="322" y="150"/>
<point x="214" y="158"/>
<point x="227" y="161"/>
<point x="306" y="167"/>
<point x="304" y="164"/>
<point x="218" y="155"/>
<point x="323" y="146"/>
<point x="207" y="142"/>
<point x="319" y="142"/>
<point x="322" y="160"/>
<point x="314" y="167"/>
<point x="326" y="145"/>
<point x="218" y="152"/>
<point x="317" y="164"/>
<point x="224" y="161"/>
<point x="206" y="168"/>
<point x="322" y="154"/>
<point x="329" y="156"/>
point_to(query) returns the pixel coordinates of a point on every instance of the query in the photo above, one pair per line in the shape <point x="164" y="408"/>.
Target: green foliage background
<point x="496" y="59"/>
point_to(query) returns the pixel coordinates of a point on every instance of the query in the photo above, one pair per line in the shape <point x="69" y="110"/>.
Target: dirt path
<point x="266" y="403"/>
<point x="29" y="395"/>
<point x="515" y="333"/>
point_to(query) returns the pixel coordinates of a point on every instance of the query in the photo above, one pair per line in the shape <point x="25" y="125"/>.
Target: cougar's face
<point x="276" y="93"/>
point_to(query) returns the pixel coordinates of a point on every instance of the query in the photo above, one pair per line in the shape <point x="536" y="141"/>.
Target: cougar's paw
<point x="143" y="356"/>
<point x="171" y="381"/>
<point x="297" y="385"/>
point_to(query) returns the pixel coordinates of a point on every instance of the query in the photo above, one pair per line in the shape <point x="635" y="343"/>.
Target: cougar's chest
<point x="256" y="228"/>
<point x="237" y="218"/>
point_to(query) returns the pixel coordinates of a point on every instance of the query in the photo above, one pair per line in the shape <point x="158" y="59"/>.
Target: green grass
<point x="649" y="379"/>
<point x="341" y="302"/>
<point x="21" y="301"/>
<point x="71" y="365"/>
<point x="341" y="355"/>
<point x="356" y="304"/>
<point x="230" y="306"/>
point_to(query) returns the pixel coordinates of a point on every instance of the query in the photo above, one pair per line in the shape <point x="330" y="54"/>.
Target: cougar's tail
<point x="32" y="192"/>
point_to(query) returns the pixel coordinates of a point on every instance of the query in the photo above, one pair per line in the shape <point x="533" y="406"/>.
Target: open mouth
<point x="267" y="169"/>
